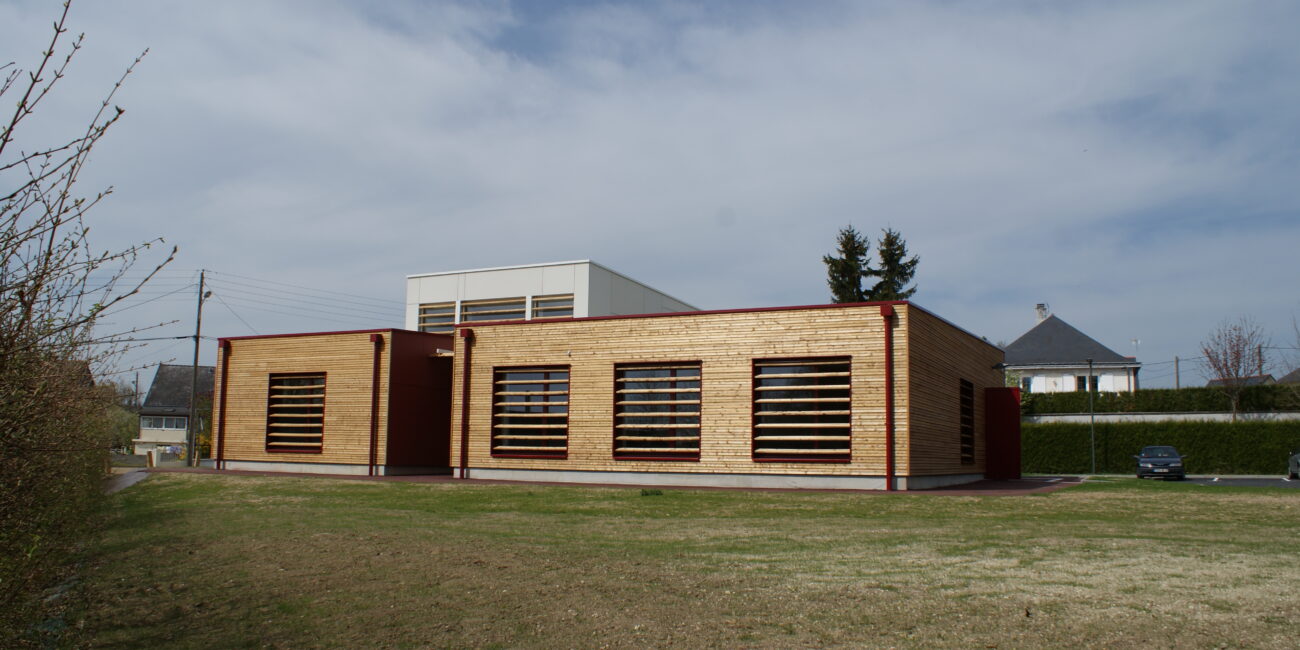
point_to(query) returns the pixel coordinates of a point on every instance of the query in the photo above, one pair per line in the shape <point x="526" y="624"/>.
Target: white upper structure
<point x="437" y="301"/>
<point x="1054" y="357"/>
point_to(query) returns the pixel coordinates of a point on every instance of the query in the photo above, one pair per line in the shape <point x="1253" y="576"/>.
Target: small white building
<point x="164" y="416"/>
<point x="437" y="301"/>
<point x="1053" y="356"/>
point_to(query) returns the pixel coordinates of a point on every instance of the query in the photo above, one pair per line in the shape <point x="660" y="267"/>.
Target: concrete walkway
<point x="119" y="482"/>
<point x="1027" y="485"/>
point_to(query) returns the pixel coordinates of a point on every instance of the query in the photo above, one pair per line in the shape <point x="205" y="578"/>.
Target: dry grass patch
<point x="281" y="562"/>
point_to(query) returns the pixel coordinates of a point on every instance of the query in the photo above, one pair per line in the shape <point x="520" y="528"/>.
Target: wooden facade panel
<point x="940" y="356"/>
<point x="724" y="344"/>
<point x="348" y="363"/>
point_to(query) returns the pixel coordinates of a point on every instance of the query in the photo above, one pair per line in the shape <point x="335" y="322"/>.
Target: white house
<point x="437" y="301"/>
<point x="1053" y="357"/>
<point x="164" y="416"/>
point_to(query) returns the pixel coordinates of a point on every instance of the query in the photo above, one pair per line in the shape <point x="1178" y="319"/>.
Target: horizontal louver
<point x="438" y="317"/>
<point x="295" y="413"/>
<point x="489" y="310"/>
<point x="801" y="409"/>
<point x="657" y="411"/>
<point x="967" y="423"/>
<point x="530" y="412"/>
<point x="553" y="306"/>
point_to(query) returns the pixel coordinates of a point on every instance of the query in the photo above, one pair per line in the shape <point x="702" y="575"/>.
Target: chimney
<point x="1041" y="308"/>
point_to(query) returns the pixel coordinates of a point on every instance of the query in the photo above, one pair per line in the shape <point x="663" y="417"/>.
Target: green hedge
<point x="1213" y="447"/>
<point x="1164" y="400"/>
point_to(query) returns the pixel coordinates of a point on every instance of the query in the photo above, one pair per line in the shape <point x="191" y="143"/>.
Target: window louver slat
<point x="295" y="413"/>
<point x="801" y="409"/>
<point x="657" y="411"/>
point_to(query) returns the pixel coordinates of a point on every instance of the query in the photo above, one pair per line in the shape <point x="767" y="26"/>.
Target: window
<point x="295" y="413"/>
<point x="438" y="317"/>
<point x="1081" y="383"/>
<point x="1026" y="383"/>
<point x="657" y="411"/>
<point x="967" y="419"/>
<point x="553" y="306"/>
<point x="161" y="422"/>
<point x="485" y="310"/>
<point x="530" y="412"/>
<point x="801" y="410"/>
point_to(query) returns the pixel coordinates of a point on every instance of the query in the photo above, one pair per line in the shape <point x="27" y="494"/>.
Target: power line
<point x="368" y="301"/>
<point x="311" y="311"/>
<point x="232" y="311"/>
<point x="303" y="315"/>
<point x="134" y="305"/>
<point x="281" y="298"/>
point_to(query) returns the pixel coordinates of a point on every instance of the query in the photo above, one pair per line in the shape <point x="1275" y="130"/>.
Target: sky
<point x="1134" y="165"/>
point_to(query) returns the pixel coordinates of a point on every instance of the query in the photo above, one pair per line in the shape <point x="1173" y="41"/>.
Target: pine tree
<point x="844" y="274"/>
<point x="896" y="270"/>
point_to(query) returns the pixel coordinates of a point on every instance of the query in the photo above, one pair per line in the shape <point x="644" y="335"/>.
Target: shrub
<point x="1213" y="447"/>
<point x="1163" y="400"/>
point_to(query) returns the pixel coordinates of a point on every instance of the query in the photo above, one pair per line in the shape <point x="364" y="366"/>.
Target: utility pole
<point x="192" y="435"/>
<point x="1176" y="382"/>
<point x="1092" y="420"/>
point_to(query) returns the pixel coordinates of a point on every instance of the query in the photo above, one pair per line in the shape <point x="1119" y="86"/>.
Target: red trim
<point x="468" y="335"/>
<point x="910" y="305"/>
<point x="225" y="347"/>
<point x="682" y="313"/>
<point x="551" y="457"/>
<point x="803" y="460"/>
<point x="378" y="340"/>
<point x="284" y="336"/>
<point x="887" y="312"/>
<point x="291" y="451"/>
<point x="660" y="459"/>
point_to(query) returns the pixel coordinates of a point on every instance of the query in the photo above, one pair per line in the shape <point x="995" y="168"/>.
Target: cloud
<point x="1129" y="163"/>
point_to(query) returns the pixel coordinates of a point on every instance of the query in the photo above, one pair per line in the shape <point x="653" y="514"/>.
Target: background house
<point x="164" y="416"/>
<point x="1052" y="357"/>
<point x="436" y="302"/>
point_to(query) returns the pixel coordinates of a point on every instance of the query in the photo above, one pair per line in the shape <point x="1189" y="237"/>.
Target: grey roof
<point x="1292" y="377"/>
<point x="1056" y="342"/>
<point x="169" y="394"/>
<point x="1254" y="380"/>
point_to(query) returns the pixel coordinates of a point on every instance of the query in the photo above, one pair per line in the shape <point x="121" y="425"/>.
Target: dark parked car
<point x="1293" y="465"/>
<point x="1160" y="462"/>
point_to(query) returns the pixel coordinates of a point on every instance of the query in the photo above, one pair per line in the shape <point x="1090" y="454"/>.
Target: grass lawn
<point x="209" y="561"/>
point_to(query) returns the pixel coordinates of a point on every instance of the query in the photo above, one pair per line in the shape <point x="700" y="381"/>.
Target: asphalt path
<point x="1251" y="481"/>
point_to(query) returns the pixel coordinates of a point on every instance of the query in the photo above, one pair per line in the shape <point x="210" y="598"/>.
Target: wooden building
<point x="865" y="396"/>
<point x="370" y="402"/>
<point x="862" y="396"/>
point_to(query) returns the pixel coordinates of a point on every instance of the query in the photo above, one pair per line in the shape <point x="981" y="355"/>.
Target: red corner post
<point x="224" y="346"/>
<point x="887" y="312"/>
<point x="468" y="335"/>
<point x="378" y="340"/>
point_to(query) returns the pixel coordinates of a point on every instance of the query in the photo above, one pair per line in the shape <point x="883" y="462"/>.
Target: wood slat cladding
<point x="725" y="345"/>
<point x="345" y="359"/>
<point x="802" y="409"/>
<point x="657" y="411"/>
<point x="940" y="358"/>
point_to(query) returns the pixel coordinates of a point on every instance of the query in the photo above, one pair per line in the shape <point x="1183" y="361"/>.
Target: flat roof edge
<point x="395" y="330"/>
<point x="501" y="268"/>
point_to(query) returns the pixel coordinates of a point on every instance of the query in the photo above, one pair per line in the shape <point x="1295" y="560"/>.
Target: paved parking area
<point x="1244" y="481"/>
